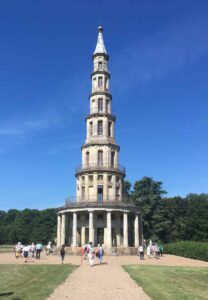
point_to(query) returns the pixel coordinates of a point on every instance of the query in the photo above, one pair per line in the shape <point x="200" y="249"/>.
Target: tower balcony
<point x="100" y="89"/>
<point x="100" y="168"/>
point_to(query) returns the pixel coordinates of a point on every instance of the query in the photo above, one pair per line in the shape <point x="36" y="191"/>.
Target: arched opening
<point x="100" y="157"/>
<point x="100" y="66"/>
<point x="100" y="127"/>
<point x="87" y="159"/>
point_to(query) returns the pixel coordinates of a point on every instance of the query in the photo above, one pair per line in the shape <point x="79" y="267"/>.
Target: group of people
<point x="33" y="250"/>
<point x="153" y="250"/>
<point x="87" y="252"/>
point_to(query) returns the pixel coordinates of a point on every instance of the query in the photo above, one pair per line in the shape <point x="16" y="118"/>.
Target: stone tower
<point x="100" y="214"/>
<point x="100" y="177"/>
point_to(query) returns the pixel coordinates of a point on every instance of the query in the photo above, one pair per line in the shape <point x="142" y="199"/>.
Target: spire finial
<point x="100" y="47"/>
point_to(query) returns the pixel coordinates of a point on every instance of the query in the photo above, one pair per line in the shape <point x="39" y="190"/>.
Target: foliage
<point x="164" y="282"/>
<point x="190" y="249"/>
<point x="147" y="194"/>
<point x="170" y="219"/>
<point x="127" y="188"/>
<point x="32" y="282"/>
<point x="29" y="225"/>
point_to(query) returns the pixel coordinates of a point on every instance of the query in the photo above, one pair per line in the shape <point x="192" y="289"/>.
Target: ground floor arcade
<point x="109" y="227"/>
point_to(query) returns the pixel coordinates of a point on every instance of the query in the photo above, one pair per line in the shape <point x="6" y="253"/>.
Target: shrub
<point x="195" y="250"/>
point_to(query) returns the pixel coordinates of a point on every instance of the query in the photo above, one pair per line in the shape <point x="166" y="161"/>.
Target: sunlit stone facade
<point x="100" y="213"/>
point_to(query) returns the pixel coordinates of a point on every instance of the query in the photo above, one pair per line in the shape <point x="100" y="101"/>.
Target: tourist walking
<point x="62" y="253"/>
<point x="48" y="248"/>
<point x="141" y="252"/>
<point x="25" y="251"/>
<point x="161" y="249"/>
<point x="33" y="249"/>
<point x="148" y="251"/>
<point x="91" y="255"/>
<point x="100" y="253"/>
<point x="39" y="248"/>
<point x="18" y="249"/>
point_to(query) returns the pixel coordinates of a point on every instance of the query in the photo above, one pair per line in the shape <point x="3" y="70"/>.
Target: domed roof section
<point x="100" y="47"/>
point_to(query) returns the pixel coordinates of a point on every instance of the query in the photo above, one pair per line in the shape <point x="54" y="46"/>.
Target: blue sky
<point x="158" y="62"/>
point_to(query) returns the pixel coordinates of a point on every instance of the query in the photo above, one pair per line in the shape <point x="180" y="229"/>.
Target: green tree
<point x="147" y="194"/>
<point x="127" y="188"/>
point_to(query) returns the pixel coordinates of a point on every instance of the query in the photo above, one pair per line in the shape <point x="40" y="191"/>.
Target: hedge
<point x="195" y="250"/>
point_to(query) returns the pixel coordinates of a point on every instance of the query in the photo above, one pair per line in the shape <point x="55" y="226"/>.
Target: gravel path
<point x="100" y="282"/>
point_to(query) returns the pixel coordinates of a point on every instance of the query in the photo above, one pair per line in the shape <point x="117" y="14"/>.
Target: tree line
<point x="27" y="226"/>
<point x="169" y="219"/>
<point x="165" y="219"/>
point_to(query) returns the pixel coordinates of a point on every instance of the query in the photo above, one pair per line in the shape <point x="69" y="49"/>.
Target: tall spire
<point x="100" y="47"/>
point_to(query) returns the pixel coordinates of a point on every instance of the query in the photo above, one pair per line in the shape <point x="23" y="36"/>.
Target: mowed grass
<point x="174" y="283"/>
<point x="31" y="282"/>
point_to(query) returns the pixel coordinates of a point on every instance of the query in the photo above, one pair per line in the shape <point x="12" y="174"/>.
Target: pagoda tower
<point x="99" y="213"/>
<point x="100" y="177"/>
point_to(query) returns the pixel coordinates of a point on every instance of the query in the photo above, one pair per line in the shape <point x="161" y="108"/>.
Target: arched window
<point x="108" y="106"/>
<point x="91" y="129"/>
<point x="109" y="129"/>
<point x="100" y="157"/>
<point x="100" y="127"/>
<point x="100" y="105"/>
<point x="100" y="82"/>
<point x="87" y="158"/>
<point x="112" y="158"/>
<point x="100" y="66"/>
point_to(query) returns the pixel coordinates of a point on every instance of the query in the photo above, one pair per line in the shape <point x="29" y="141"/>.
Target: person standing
<point x="148" y="251"/>
<point x="25" y="251"/>
<point x="62" y="253"/>
<point x="91" y="254"/>
<point x="141" y="252"/>
<point x="33" y="248"/>
<point x="161" y="250"/>
<point x="100" y="253"/>
<point x="39" y="248"/>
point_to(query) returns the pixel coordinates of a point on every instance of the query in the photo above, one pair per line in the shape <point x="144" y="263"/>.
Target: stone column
<point x="105" y="127"/>
<point x="125" y="229"/>
<point x="74" y="230"/>
<point x="109" y="230"/>
<point x="114" y="186"/>
<point x="83" y="230"/>
<point x="63" y="228"/>
<point x="136" y="231"/>
<point x="87" y="188"/>
<point x="105" y="187"/>
<point x="59" y="230"/>
<point x="118" y="236"/>
<point x="95" y="187"/>
<point x="91" y="227"/>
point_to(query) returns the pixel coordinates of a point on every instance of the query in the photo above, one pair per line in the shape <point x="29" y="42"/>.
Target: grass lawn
<point x="31" y="282"/>
<point x="163" y="282"/>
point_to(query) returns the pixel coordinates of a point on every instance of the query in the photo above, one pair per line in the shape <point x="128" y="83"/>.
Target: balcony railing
<point x="98" y="198"/>
<point x="100" y="89"/>
<point x="99" y="166"/>
<point x="101" y="110"/>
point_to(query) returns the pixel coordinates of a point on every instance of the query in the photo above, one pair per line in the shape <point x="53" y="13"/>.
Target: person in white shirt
<point x="141" y="252"/>
<point x="91" y="255"/>
<point x="33" y="249"/>
<point x="25" y="251"/>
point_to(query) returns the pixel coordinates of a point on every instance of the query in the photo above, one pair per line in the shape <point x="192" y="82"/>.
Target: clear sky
<point x="158" y="62"/>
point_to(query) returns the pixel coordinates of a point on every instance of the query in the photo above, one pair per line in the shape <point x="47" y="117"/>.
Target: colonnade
<point x="91" y="224"/>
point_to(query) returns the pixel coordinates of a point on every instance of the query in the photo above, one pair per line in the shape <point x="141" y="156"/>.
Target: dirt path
<point x="106" y="282"/>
